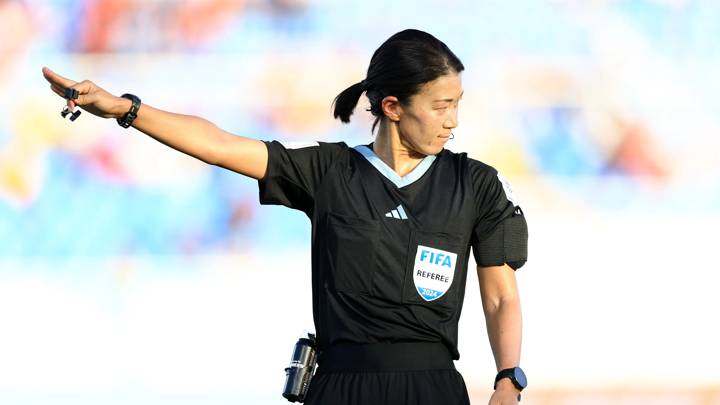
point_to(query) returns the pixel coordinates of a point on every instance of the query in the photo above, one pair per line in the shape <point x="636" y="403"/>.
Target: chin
<point x="436" y="148"/>
<point x="431" y="150"/>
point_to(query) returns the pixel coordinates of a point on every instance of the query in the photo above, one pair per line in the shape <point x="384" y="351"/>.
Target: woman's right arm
<point x="194" y="136"/>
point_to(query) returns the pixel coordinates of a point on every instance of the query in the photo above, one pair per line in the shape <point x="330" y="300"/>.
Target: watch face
<point x="520" y="377"/>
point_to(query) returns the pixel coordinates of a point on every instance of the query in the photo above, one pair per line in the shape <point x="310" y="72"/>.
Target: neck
<point x="392" y="150"/>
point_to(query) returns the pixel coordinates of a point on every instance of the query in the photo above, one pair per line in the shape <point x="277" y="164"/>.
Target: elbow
<point x="493" y="306"/>
<point x="213" y="151"/>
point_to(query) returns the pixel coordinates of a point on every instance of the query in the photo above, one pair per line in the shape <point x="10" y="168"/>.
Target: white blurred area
<point x="132" y="274"/>
<point x="152" y="330"/>
<point x="624" y="325"/>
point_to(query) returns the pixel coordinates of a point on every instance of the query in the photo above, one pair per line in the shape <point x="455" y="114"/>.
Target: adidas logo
<point x="397" y="213"/>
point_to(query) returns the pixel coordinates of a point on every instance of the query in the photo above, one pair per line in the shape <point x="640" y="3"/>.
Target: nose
<point x="452" y="120"/>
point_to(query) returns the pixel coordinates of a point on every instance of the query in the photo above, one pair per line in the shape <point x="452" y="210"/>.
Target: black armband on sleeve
<point x="507" y="243"/>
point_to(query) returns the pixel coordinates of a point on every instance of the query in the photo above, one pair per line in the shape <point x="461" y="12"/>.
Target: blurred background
<point x="133" y="274"/>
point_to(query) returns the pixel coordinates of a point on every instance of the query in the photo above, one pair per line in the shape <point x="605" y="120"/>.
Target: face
<point x="427" y="119"/>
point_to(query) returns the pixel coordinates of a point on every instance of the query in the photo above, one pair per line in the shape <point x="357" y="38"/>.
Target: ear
<point x="391" y="108"/>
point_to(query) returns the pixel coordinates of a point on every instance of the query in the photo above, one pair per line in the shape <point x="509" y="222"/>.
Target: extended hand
<point x="92" y="98"/>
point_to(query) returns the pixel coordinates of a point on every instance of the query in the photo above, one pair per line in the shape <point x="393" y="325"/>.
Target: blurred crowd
<point x="605" y="105"/>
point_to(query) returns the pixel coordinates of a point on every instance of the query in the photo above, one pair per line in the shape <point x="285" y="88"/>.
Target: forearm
<point x="189" y="134"/>
<point x="504" y="326"/>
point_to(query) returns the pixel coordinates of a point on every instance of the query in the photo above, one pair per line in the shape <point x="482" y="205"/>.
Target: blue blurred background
<point x="131" y="273"/>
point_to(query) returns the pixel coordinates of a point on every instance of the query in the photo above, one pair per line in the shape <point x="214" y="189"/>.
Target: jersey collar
<point x="389" y="173"/>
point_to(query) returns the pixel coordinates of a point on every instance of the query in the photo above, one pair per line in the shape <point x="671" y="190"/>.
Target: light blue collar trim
<point x="389" y="173"/>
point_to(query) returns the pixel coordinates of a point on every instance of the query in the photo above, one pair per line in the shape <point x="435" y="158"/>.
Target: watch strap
<point x="126" y="120"/>
<point x="513" y="374"/>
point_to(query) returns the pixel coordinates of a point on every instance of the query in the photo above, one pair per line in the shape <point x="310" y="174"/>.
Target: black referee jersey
<point x="390" y="253"/>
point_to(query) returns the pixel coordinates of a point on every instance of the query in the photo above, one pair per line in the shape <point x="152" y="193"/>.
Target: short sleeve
<point x="295" y="171"/>
<point x="500" y="235"/>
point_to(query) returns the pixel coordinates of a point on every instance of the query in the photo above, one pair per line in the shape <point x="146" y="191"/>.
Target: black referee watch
<point x="130" y="116"/>
<point x="515" y="374"/>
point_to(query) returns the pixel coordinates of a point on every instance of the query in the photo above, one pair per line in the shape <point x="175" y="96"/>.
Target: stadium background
<point x="130" y="273"/>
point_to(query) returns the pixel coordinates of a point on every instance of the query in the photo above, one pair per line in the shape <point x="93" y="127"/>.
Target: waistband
<point x="402" y="356"/>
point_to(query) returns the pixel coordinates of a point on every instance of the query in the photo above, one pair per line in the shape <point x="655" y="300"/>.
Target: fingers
<point x="58" y="84"/>
<point x="55" y="78"/>
<point x="83" y="88"/>
<point x="57" y="90"/>
<point x="85" y="95"/>
<point x="60" y="91"/>
<point x="87" y="92"/>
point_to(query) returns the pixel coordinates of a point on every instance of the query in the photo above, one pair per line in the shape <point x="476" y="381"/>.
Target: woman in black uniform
<point x="393" y="223"/>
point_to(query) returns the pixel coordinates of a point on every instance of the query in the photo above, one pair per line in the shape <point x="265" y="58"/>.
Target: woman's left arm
<point x="503" y="317"/>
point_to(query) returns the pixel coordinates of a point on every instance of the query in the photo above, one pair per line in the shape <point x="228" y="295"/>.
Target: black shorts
<point x="387" y="374"/>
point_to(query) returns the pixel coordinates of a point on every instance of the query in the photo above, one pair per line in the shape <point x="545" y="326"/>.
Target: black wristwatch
<point x="130" y="116"/>
<point x="515" y="374"/>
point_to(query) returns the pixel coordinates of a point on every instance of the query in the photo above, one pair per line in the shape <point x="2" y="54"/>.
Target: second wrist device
<point x="515" y="374"/>
<point x="130" y="116"/>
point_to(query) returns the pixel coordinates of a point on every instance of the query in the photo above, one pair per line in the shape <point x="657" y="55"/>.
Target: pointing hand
<point x="91" y="97"/>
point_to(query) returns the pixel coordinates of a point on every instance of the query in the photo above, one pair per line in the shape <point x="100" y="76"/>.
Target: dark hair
<point x="399" y="67"/>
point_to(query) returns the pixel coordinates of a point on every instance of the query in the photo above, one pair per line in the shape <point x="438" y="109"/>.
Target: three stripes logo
<point x="397" y="213"/>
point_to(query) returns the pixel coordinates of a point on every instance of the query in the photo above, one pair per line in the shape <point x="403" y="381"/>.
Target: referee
<point x="393" y="223"/>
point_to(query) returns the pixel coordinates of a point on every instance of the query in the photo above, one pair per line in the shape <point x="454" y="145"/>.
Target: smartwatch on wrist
<point x="515" y="374"/>
<point x="130" y="116"/>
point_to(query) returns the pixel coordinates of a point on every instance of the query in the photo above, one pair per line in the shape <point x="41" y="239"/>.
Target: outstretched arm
<point x="503" y="317"/>
<point x="194" y="136"/>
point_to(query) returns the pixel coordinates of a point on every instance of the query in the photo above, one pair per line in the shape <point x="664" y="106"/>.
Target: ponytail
<point x="399" y="67"/>
<point x="346" y="101"/>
